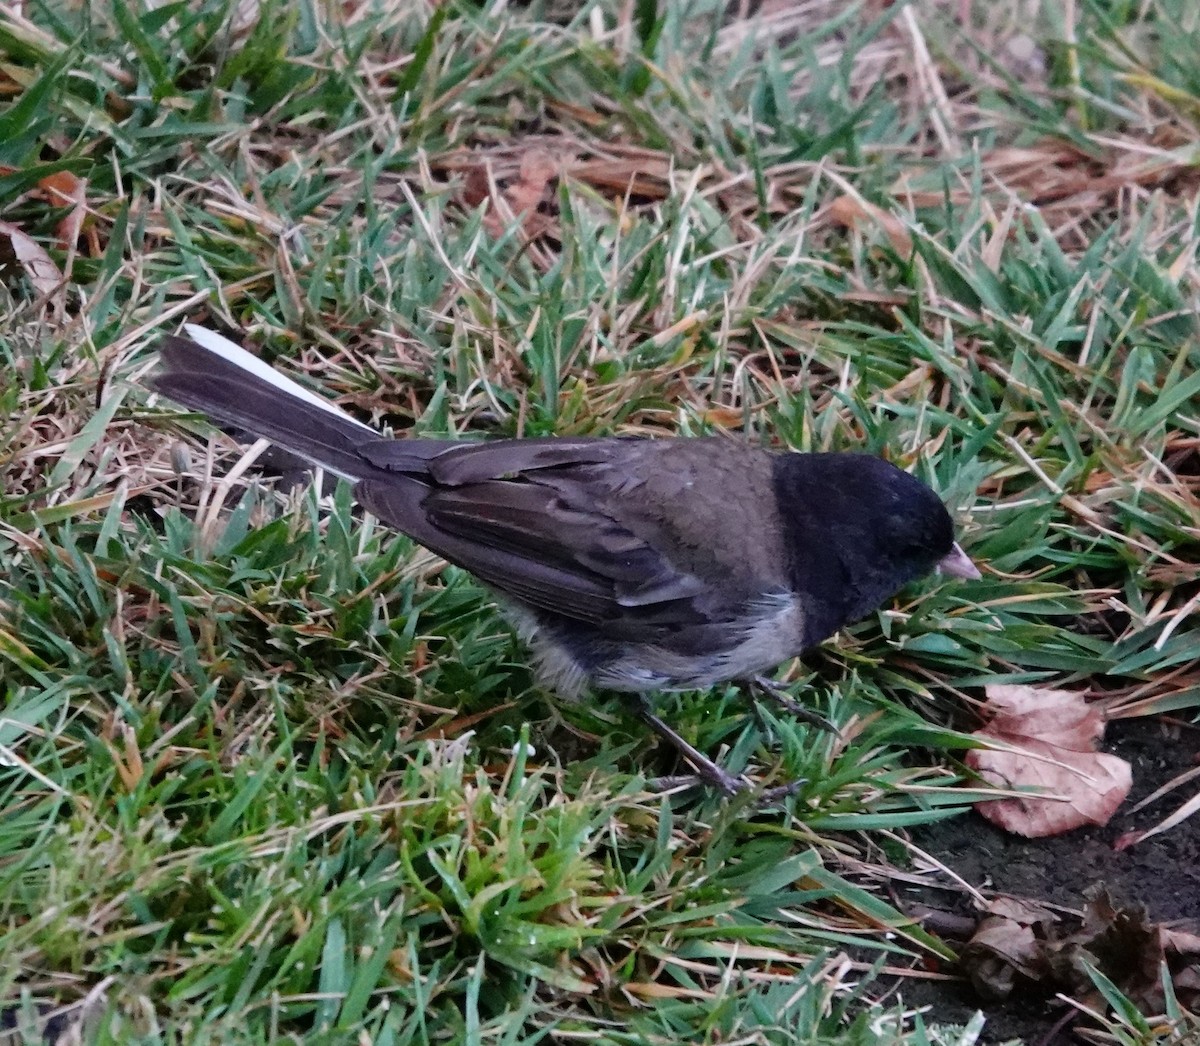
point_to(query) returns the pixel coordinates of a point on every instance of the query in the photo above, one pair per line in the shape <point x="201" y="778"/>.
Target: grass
<point x="268" y="772"/>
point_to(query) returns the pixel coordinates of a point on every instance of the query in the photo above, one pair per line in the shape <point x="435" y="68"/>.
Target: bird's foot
<point x="741" y="786"/>
<point x="707" y="771"/>
<point x="770" y="689"/>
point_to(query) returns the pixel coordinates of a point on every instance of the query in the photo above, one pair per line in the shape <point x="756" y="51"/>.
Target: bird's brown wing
<point x="540" y="520"/>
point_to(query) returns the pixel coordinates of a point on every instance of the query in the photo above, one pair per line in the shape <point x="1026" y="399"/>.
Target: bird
<point x="635" y="564"/>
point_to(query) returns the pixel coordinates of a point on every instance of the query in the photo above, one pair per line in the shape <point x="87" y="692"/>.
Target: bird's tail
<point x="209" y="373"/>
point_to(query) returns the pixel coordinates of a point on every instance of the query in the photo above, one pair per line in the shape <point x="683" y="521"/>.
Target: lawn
<point x="269" y="772"/>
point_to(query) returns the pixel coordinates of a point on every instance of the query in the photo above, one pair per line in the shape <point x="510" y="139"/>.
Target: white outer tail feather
<point x="221" y="346"/>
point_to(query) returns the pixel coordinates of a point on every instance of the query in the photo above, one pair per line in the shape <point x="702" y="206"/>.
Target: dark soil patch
<point x="1161" y="874"/>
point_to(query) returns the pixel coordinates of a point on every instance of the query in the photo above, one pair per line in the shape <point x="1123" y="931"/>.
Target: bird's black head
<point x="857" y="529"/>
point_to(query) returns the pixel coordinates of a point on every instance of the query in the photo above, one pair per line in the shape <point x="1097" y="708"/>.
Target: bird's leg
<point x="769" y="688"/>
<point x="705" y="767"/>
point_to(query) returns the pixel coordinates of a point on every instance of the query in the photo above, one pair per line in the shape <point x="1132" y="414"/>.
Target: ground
<point x="1160" y="875"/>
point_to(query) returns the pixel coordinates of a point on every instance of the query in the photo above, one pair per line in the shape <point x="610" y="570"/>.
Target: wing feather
<point x="533" y="524"/>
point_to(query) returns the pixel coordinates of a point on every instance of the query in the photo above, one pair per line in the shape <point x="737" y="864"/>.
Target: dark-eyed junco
<point x="628" y="564"/>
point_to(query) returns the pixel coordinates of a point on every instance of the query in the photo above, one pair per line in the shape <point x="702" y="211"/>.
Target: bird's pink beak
<point x="958" y="564"/>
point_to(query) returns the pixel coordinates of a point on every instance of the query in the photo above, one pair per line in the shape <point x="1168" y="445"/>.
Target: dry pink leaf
<point x="518" y="195"/>
<point x="1048" y="740"/>
<point x="62" y="188"/>
<point x="855" y="213"/>
<point x="1180" y="942"/>
<point x="1000" y="951"/>
<point x="538" y="169"/>
<point x="1007" y="945"/>
<point x="32" y="256"/>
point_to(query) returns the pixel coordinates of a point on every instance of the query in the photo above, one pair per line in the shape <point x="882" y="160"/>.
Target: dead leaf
<point x="854" y="212"/>
<point x="32" y="257"/>
<point x="62" y="188"/>
<point x="999" y="951"/>
<point x="130" y="767"/>
<point x="1180" y="943"/>
<point x="518" y="197"/>
<point x="725" y="417"/>
<point x="475" y="188"/>
<point x="1021" y="944"/>
<point x="1007" y="944"/>
<point x="538" y="169"/>
<point x="1121" y="941"/>
<point x="246" y="16"/>
<point x="1021" y="910"/>
<point x="1047" y="739"/>
<point x="641" y="174"/>
<point x="457" y="727"/>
